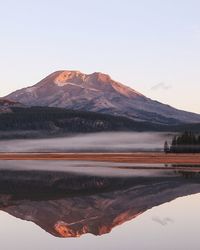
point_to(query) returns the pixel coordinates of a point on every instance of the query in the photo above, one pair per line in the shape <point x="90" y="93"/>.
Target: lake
<point x="75" y="205"/>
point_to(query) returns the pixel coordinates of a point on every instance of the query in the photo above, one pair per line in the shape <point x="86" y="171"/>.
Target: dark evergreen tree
<point x="166" y="147"/>
<point x="187" y="142"/>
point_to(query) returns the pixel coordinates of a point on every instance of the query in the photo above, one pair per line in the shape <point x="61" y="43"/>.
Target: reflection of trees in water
<point x="186" y="173"/>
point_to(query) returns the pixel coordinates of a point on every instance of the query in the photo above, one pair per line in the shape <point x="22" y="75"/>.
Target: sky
<point x="152" y="46"/>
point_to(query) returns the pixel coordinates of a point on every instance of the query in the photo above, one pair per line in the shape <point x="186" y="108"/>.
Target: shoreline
<point x="151" y="158"/>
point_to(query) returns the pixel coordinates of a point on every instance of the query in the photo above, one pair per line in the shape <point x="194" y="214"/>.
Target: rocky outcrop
<point x="6" y="105"/>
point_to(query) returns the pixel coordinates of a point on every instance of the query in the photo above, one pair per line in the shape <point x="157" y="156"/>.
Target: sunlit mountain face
<point x="98" y="92"/>
<point x="67" y="204"/>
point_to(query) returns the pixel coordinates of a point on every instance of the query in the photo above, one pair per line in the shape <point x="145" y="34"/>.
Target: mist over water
<point x="97" y="142"/>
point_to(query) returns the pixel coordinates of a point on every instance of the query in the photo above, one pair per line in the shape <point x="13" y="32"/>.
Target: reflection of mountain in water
<point x="69" y="205"/>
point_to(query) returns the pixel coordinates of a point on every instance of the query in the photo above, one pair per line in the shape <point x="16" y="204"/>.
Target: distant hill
<point x="97" y="92"/>
<point x="6" y="105"/>
<point x="27" y="122"/>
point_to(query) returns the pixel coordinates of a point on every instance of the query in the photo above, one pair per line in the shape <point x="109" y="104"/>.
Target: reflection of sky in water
<point x="180" y="231"/>
<point x="86" y="167"/>
<point x="173" y="225"/>
<point x="97" y="168"/>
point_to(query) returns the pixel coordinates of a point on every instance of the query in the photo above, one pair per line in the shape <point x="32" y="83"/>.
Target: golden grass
<point x="108" y="157"/>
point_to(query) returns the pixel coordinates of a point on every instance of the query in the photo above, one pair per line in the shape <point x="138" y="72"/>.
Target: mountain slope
<point x="7" y="105"/>
<point x="99" y="93"/>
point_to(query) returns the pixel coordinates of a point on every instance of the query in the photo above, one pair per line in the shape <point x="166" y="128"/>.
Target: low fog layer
<point x="98" y="142"/>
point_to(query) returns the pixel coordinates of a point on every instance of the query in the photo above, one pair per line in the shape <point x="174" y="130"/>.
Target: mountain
<point x="97" y="92"/>
<point x="71" y="205"/>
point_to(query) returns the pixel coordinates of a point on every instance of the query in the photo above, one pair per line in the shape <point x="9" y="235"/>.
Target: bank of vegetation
<point x="187" y="142"/>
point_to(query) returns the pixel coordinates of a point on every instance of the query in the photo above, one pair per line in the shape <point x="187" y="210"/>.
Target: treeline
<point x="188" y="142"/>
<point x="45" y="121"/>
<point x="63" y="120"/>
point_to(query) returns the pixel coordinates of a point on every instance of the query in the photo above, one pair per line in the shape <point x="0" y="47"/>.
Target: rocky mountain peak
<point x="100" y="77"/>
<point x="76" y="77"/>
<point x="66" y="76"/>
<point x="98" y="92"/>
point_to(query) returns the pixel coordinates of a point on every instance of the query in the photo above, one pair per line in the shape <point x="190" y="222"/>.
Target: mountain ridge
<point x="98" y="92"/>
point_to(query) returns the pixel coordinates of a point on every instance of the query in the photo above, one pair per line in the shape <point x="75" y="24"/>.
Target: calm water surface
<point x="174" y="225"/>
<point x="59" y="205"/>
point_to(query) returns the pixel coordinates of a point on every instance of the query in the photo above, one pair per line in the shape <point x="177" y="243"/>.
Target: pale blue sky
<point x="151" y="45"/>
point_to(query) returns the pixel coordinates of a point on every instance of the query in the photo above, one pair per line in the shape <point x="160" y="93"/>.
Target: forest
<point x="60" y="119"/>
<point x="187" y="142"/>
<point x="45" y="121"/>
